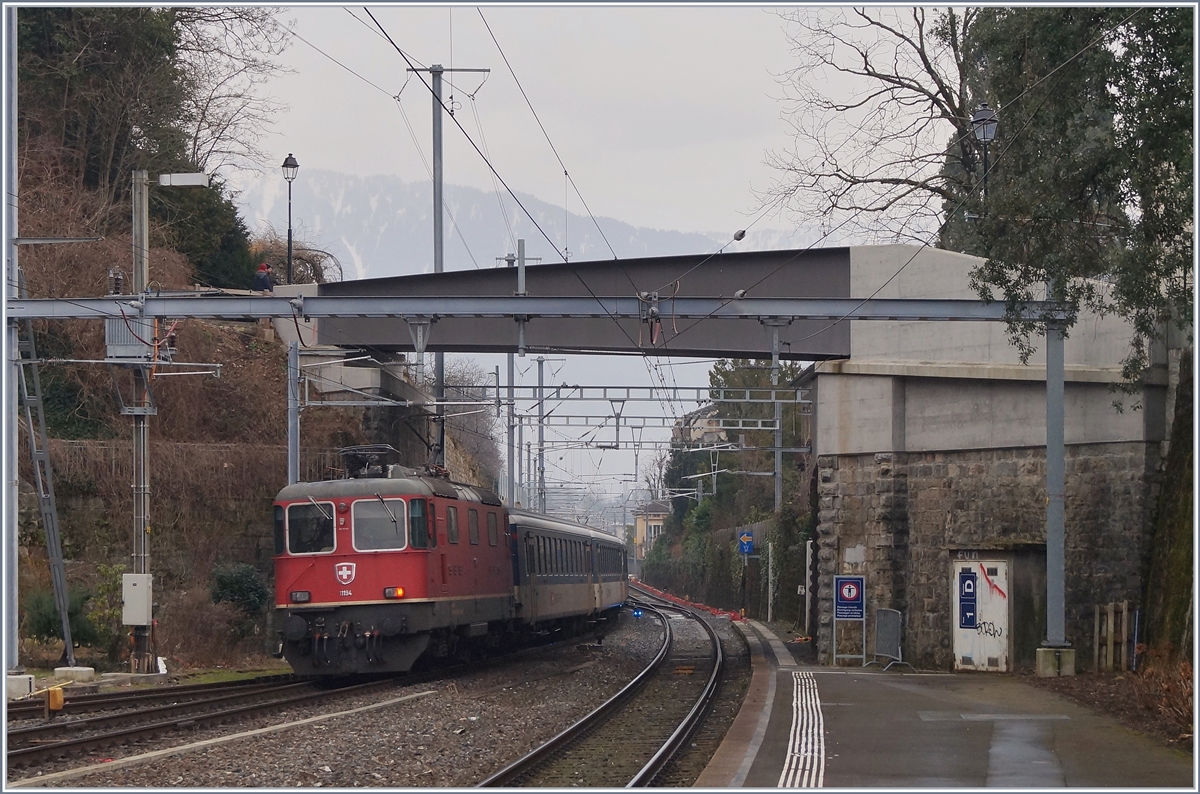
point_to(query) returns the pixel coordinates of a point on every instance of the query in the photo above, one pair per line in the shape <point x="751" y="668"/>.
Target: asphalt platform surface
<point x="804" y="726"/>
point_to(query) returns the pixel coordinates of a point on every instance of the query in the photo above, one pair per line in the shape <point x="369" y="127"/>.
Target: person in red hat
<point x="262" y="279"/>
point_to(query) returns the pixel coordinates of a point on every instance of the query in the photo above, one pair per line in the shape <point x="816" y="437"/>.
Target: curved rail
<point x="527" y="763"/>
<point x="693" y="719"/>
<point x="679" y="737"/>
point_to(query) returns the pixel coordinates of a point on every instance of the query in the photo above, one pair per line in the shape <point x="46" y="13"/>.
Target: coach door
<point x="981" y="614"/>
<point x="532" y="560"/>
<point x="593" y="553"/>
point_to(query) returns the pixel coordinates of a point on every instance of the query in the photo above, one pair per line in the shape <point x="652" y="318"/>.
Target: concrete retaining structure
<point x="930" y="444"/>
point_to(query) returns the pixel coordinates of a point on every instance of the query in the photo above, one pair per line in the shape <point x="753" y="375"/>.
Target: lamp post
<point x="290" y="167"/>
<point x="983" y="123"/>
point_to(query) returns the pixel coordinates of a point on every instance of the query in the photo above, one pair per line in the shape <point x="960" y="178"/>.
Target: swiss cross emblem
<point x="345" y="572"/>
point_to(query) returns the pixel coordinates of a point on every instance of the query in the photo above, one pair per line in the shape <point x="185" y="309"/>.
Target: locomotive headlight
<point x="393" y="592"/>
<point x="300" y="596"/>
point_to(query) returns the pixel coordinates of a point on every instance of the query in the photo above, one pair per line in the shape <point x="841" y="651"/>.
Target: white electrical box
<point x="137" y="601"/>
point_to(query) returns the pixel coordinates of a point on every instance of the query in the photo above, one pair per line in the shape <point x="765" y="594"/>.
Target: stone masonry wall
<point x="896" y="517"/>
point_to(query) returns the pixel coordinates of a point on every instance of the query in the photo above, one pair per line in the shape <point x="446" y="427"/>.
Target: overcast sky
<point x="661" y="116"/>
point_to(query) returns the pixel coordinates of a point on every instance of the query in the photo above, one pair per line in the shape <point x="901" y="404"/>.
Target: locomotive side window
<point x="493" y="533"/>
<point x="378" y="524"/>
<point x="418" y="528"/>
<point x="473" y="526"/>
<point x="310" y="527"/>
<point x="280" y="535"/>
<point x="452" y="524"/>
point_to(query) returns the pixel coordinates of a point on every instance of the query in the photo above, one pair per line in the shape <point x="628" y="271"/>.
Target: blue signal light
<point x="637" y="613"/>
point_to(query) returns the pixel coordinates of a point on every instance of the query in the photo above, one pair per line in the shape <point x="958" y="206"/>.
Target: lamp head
<point x="983" y="123"/>
<point x="290" y="167"/>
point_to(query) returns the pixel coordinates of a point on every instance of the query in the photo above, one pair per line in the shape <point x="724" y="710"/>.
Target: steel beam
<point x="436" y="308"/>
<point x="638" y="422"/>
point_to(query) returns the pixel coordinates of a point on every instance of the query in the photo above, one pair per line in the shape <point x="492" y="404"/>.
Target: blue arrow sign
<point x="746" y="543"/>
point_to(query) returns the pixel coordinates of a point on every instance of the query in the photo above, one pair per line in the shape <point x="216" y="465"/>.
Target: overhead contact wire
<point x="546" y="134"/>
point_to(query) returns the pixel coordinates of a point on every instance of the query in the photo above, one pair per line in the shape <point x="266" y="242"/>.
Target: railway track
<point x="630" y="739"/>
<point x="36" y="744"/>
<point x="150" y="713"/>
<point x="19" y="710"/>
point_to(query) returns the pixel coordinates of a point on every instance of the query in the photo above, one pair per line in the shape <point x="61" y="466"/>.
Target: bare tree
<point x="229" y="54"/>
<point x="310" y="264"/>
<point x="475" y="427"/>
<point x="881" y="121"/>
<point x="655" y="473"/>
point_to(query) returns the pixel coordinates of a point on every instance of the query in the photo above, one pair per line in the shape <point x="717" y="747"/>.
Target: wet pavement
<point x="807" y="726"/>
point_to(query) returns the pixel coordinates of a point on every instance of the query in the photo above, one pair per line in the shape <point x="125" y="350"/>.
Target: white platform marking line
<point x="804" y="766"/>
<point x="792" y="759"/>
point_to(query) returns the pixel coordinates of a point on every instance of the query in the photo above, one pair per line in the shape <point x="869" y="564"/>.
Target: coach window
<point x="418" y="527"/>
<point x="473" y="526"/>
<point x="310" y="527"/>
<point x="452" y="524"/>
<point x="493" y="532"/>
<point x="378" y="524"/>
<point x="280" y="535"/>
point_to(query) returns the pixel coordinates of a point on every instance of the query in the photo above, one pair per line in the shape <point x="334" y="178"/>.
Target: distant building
<point x="648" y="523"/>
<point x="700" y="426"/>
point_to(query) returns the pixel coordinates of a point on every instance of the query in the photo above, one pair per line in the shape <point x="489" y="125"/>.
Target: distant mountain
<point x="382" y="226"/>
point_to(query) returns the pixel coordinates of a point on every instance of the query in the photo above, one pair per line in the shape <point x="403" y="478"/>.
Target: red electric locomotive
<point x="394" y="564"/>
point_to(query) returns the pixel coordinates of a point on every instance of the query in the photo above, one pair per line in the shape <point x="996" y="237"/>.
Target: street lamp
<point x="290" y="167"/>
<point x="983" y="123"/>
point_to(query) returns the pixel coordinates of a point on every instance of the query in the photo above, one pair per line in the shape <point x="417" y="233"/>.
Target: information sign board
<point x="849" y="602"/>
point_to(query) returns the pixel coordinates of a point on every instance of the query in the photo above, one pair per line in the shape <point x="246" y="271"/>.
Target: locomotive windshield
<point x="310" y="527"/>
<point x="379" y="524"/>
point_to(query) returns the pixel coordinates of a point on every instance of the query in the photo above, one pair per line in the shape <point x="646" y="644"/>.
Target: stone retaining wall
<point x="897" y="518"/>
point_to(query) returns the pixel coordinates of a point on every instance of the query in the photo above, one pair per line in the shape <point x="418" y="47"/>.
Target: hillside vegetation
<point x="102" y="92"/>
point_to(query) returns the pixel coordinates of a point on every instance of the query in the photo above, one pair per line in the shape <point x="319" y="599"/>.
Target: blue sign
<point x="849" y="602"/>
<point x="967" y="615"/>
<point x="746" y="542"/>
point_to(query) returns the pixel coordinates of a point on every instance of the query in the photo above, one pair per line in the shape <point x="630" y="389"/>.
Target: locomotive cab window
<point x="378" y="524"/>
<point x="473" y="526"/>
<point x="452" y="524"/>
<point x="280" y="534"/>
<point x="310" y="527"/>
<point x="493" y="532"/>
<point x="418" y="527"/>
